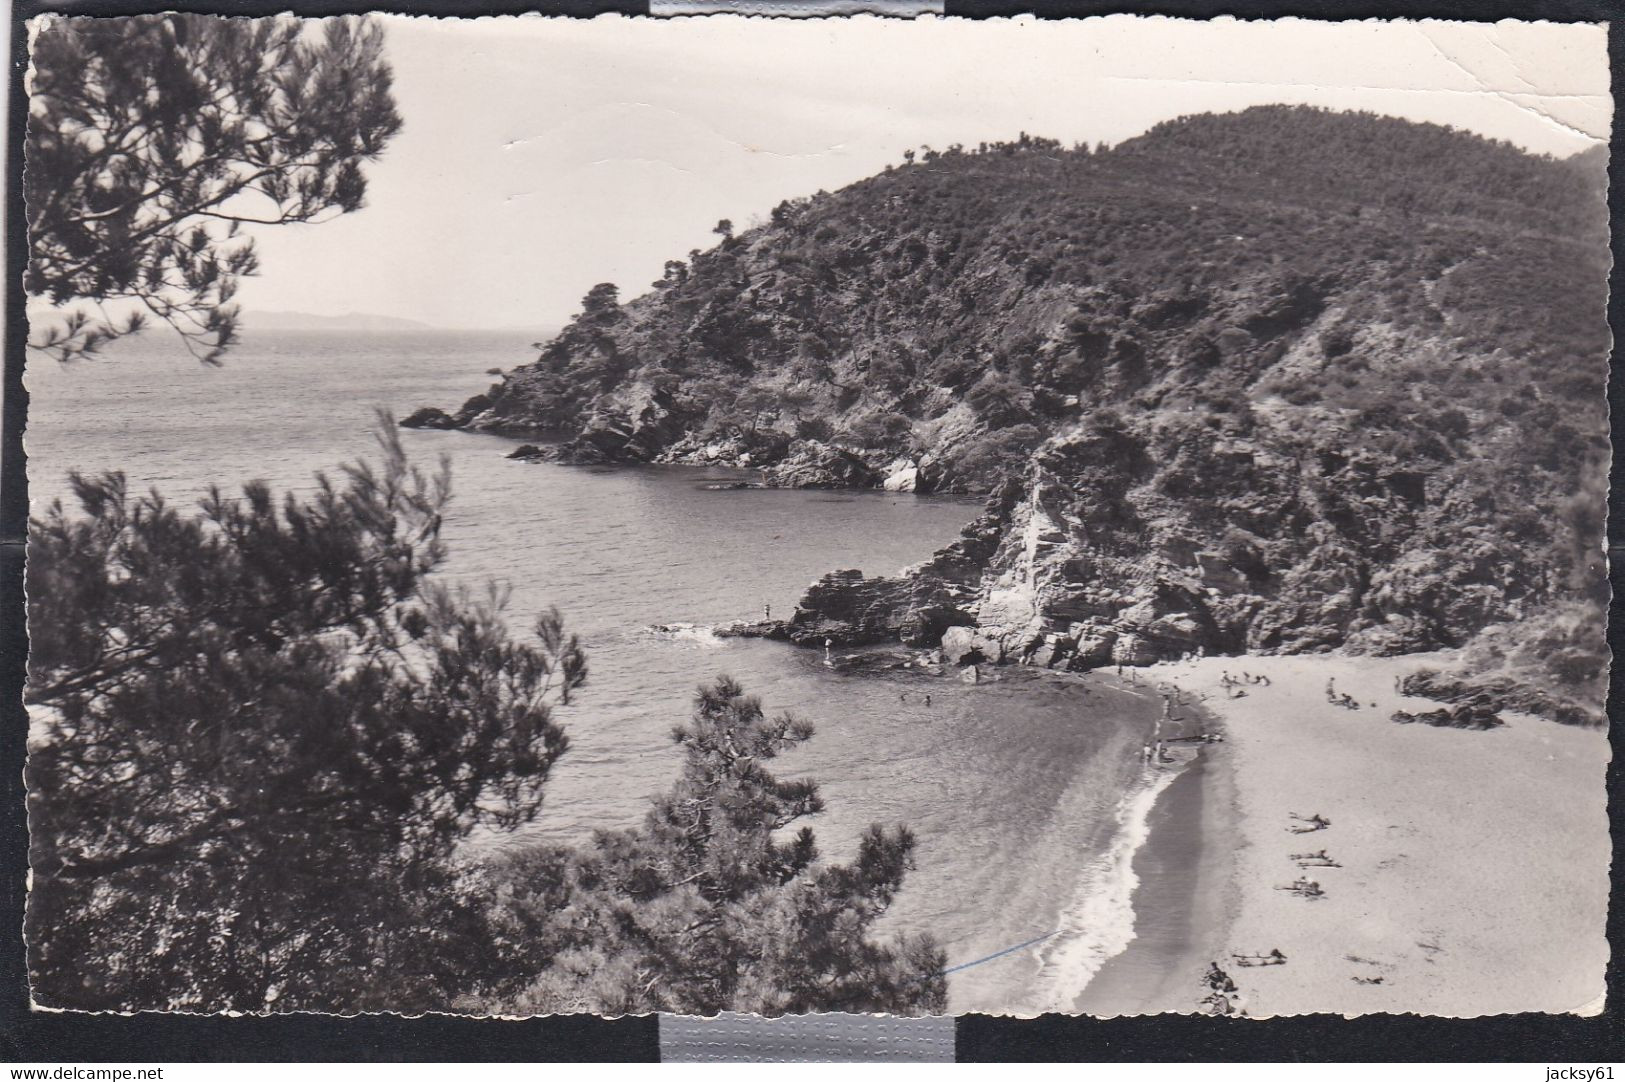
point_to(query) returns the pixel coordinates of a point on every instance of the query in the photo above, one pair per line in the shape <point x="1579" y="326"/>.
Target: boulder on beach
<point x="1470" y="715"/>
<point x="963" y="646"/>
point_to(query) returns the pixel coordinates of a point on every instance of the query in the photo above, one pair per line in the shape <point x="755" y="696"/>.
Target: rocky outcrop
<point x="635" y="426"/>
<point x="814" y="465"/>
<point x="846" y="609"/>
<point x="1210" y="428"/>
<point x="1495" y="693"/>
<point x="1472" y="715"/>
<point x="430" y="417"/>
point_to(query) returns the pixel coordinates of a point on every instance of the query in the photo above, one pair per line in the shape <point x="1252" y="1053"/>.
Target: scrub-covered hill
<point x="1282" y="379"/>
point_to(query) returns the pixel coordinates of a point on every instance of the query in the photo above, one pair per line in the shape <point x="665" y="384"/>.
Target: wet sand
<point x="1185" y="901"/>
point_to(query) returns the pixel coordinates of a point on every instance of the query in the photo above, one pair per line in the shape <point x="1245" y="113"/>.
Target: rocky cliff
<point x="1282" y="379"/>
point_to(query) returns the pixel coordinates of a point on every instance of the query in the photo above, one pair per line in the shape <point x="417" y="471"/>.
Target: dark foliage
<point x="152" y="139"/>
<point x="718" y="902"/>
<point x="1363" y="356"/>
<point x="260" y="730"/>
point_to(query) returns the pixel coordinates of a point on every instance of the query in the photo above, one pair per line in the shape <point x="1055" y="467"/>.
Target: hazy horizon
<point x="540" y="155"/>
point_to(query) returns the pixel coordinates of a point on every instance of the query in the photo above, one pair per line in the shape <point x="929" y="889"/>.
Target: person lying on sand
<point x="1309" y="824"/>
<point x="1305" y="888"/>
<point x="1314" y="860"/>
<point x="1273" y="958"/>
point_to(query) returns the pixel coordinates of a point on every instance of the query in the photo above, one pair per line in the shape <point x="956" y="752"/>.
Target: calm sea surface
<point x="1016" y="789"/>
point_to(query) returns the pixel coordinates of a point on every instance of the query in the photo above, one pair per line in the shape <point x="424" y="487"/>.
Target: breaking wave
<point x="1098" y="924"/>
<point x="697" y="634"/>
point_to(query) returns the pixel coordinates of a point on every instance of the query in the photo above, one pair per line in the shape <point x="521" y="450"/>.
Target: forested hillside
<point x="1282" y="379"/>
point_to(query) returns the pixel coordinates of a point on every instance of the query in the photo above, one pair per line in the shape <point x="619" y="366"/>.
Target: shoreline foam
<point x="1184" y="903"/>
<point x="1098" y="923"/>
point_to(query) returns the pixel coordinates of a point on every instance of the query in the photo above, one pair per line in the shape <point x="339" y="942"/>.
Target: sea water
<point x="1026" y="793"/>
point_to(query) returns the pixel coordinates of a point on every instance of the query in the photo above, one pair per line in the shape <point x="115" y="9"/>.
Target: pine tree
<point x="152" y="139"/>
<point x="260" y="731"/>
<point x="719" y="902"/>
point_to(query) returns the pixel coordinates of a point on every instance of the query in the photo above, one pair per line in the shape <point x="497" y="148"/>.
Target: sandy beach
<point x="1471" y="871"/>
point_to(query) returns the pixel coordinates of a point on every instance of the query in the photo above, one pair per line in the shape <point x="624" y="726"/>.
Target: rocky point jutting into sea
<point x="1272" y="381"/>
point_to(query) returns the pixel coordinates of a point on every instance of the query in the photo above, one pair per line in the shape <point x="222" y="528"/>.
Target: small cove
<point x="1011" y="786"/>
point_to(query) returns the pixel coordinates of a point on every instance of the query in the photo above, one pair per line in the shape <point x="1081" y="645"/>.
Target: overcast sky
<point x="540" y="156"/>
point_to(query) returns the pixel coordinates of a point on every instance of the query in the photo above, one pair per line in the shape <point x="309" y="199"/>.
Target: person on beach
<point x="928" y="700"/>
<point x="1217" y="979"/>
<point x="767" y="611"/>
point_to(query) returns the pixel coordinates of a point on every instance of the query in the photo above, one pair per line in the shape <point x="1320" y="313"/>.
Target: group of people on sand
<point x="1223" y="997"/>
<point x="1156" y="753"/>
<point x="1343" y="699"/>
<point x="1303" y="886"/>
<point x="1232" y="685"/>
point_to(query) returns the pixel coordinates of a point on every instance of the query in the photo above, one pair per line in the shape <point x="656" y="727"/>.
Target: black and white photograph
<point x="536" y="516"/>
